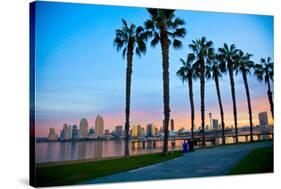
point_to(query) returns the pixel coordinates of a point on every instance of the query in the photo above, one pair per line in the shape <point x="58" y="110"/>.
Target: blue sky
<point x="79" y="73"/>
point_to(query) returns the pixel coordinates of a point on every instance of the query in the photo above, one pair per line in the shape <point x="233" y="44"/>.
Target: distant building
<point x="150" y="130"/>
<point x="172" y="125"/>
<point x="134" y="130"/>
<point x="161" y="130"/>
<point x="215" y="124"/>
<point x="263" y="119"/>
<point x="139" y="130"/>
<point x="99" y="125"/>
<point x="142" y="132"/>
<point x="106" y="131"/>
<point x="52" y="135"/>
<point x="64" y="132"/>
<point x="75" y="132"/>
<point x="83" y="127"/>
<point x="119" y="130"/>
<point x="156" y="131"/>
<point x="69" y="132"/>
<point x="220" y="127"/>
<point x="211" y="121"/>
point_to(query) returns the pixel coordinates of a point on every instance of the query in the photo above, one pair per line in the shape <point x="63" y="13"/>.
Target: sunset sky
<point x="79" y="73"/>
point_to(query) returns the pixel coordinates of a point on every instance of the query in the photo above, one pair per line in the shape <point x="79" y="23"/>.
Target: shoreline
<point x="71" y="162"/>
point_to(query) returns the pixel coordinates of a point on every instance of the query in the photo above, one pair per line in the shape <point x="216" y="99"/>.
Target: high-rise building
<point x="83" y="127"/>
<point x="134" y="129"/>
<point x="263" y="119"/>
<point x="64" y="132"/>
<point x="139" y="130"/>
<point x="99" y="125"/>
<point x="119" y="130"/>
<point x="150" y="130"/>
<point x="156" y="130"/>
<point x="215" y="124"/>
<point x="211" y="121"/>
<point x="142" y="132"/>
<point x="69" y="132"/>
<point x="106" y="131"/>
<point x="52" y="135"/>
<point x="75" y="132"/>
<point x="172" y="125"/>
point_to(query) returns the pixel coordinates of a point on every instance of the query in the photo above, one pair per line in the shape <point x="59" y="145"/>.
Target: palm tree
<point x="187" y="73"/>
<point x="164" y="27"/>
<point x="131" y="39"/>
<point x="227" y="56"/>
<point x="202" y="49"/>
<point x="264" y="72"/>
<point x="244" y="65"/>
<point x="214" y="70"/>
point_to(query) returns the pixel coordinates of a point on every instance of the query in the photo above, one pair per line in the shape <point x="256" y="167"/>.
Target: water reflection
<point x="60" y="151"/>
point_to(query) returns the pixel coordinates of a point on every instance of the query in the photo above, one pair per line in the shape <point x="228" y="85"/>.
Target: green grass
<point x="258" y="161"/>
<point x="65" y="174"/>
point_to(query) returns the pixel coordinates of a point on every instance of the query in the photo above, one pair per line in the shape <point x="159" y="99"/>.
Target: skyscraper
<point x="211" y="121"/>
<point x="83" y="127"/>
<point x="69" y="132"/>
<point x="150" y="130"/>
<point x="215" y="124"/>
<point x="142" y="132"/>
<point x="139" y="130"/>
<point x="64" y="132"/>
<point x="134" y="130"/>
<point x="99" y="125"/>
<point x="263" y="119"/>
<point x="75" y="132"/>
<point x="119" y="131"/>
<point x="52" y="135"/>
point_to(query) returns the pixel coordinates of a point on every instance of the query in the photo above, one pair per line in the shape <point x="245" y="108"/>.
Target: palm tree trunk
<point x="202" y="94"/>
<point x="166" y="97"/>
<point x="249" y="104"/>
<point x="232" y="84"/>
<point x="221" y="108"/>
<point x="191" y="105"/>
<point x="128" y="97"/>
<point x="269" y="94"/>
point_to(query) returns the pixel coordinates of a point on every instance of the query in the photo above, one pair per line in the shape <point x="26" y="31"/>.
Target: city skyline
<point x="80" y="74"/>
<point x="136" y="128"/>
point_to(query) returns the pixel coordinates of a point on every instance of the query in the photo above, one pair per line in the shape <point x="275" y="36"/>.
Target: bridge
<point x="210" y="137"/>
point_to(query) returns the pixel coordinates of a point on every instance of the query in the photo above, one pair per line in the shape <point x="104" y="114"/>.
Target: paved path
<point x="205" y="162"/>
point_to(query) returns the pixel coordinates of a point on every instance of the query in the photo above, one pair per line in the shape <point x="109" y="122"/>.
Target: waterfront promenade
<point x="205" y="162"/>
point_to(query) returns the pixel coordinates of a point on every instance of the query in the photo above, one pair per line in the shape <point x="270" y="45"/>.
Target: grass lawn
<point x="65" y="174"/>
<point x="258" y="161"/>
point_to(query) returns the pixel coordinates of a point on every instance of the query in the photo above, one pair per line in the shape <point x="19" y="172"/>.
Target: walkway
<point x="205" y="162"/>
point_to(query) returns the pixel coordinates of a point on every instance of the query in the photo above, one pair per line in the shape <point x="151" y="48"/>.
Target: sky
<point x="79" y="72"/>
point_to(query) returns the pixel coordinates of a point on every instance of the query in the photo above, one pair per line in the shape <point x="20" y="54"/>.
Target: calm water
<point x="61" y="151"/>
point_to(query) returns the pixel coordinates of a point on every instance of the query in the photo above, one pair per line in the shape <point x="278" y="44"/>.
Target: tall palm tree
<point x="187" y="72"/>
<point x="202" y="49"/>
<point x="214" y="70"/>
<point x="131" y="39"/>
<point x="227" y="55"/>
<point x="264" y="72"/>
<point x="244" y="65"/>
<point x="164" y="28"/>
